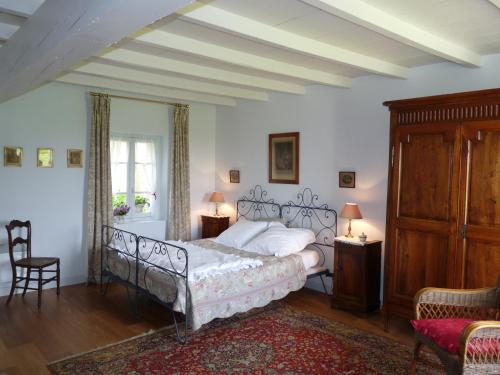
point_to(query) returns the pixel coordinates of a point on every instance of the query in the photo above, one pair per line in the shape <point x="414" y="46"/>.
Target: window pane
<point x="119" y="151"/>
<point x="144" y="178"/>
<point x="143" y="203"/>
<point x="144" y="152"/>
<point x="119" y="178"/>
<point x="119" y="200"/>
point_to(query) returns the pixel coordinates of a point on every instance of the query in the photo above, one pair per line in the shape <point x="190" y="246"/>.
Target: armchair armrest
<point x="480" y="348"/>
<point x="436" y="303"/>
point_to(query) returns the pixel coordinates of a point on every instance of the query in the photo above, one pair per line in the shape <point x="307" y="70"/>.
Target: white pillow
<point x="239" y="234"/>
<point x="280" y="241"/>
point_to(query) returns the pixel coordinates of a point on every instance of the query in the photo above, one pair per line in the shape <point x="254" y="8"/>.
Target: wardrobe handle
<point x="392" y="156"/>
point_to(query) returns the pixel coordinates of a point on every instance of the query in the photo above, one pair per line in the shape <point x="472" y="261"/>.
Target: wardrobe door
<point x="424" y="209"/>
<point x="479" y="243"/>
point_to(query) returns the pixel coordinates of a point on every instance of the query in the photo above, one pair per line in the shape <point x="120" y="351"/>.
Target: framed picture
<point x="45" y="158"/>
<point x="347" y="179"/>
<point x="12" y="156"/>
<point x="75" y="158"/>
<point x="234" y="176"/>
<point x="284" y="158"/>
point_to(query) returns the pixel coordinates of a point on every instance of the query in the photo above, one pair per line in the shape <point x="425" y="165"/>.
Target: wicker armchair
<point x="479" y="342"/>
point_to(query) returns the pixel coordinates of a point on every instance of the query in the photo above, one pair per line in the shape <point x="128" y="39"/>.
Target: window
<point x="134" y="176"/>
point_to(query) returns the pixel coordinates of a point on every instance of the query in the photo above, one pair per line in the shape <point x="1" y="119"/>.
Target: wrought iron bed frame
<point x="305" y="212"/>
<point x="130" y="251"/>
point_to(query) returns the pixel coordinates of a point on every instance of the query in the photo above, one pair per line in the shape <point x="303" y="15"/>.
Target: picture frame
<point x="45" y="157"/>
<point x="234" y="176"/>
<point x="75" y="158"/>
<point x="12" y="156"/>
<point x="284" y="156"/>
<point x="347" y="180"/>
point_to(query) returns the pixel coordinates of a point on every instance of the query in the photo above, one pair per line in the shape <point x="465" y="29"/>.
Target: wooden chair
<point x="29" y="262"/>
<point x="461" y="326"/>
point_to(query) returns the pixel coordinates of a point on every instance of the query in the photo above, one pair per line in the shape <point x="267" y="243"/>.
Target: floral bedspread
<point x="220" y="296"/>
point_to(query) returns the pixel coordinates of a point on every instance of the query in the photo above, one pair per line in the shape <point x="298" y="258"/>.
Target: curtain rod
<point x="140" y="99"/>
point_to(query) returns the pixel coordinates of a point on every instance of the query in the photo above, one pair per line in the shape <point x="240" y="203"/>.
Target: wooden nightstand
<point x="356" y="275"/>
<point x="212" y="226"/>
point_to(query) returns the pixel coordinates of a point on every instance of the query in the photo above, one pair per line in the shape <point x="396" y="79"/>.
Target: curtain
<point x="99" y="197"/>
<point x="179" y="218"/>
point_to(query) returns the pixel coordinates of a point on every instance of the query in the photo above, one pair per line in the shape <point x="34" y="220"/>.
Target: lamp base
<point x="349" y="234"/>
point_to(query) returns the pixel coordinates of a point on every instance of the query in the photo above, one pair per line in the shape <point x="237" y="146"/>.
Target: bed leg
<point x="105" y="290"/>
<point x="324" y="285"/>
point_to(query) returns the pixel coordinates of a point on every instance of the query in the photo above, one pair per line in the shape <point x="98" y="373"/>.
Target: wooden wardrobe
<point x="443" y="206"/>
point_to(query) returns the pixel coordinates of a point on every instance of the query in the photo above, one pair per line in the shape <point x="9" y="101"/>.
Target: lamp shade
<point x="351" y="211"/>
<point x="216" y="197"/>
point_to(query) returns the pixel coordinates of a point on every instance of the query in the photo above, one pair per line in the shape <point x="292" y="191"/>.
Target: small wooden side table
<point x="212" y="226"/>
<point x="356" y="275"/>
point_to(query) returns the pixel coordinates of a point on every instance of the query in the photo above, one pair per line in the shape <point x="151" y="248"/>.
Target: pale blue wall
<point x="53" y="116"/>
<point x="56" y="116"/>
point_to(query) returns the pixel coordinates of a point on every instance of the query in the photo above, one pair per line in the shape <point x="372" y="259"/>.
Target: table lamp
<point x="216" y="198"/>
<point x="350" y="211"/>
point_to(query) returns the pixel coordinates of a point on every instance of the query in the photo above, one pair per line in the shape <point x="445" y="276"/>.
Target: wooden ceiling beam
<point x="372" y="18"/>
<point x="127" y="74"/>
<point x="143" y="60"/>
<point x="62" y="33"/>
<point x="195" y="47"/>
<point x="251" y="29"/>
<point x="93" y="82"/>
<point x="21" y="8"/>
<point x="11" y="19"/>
<point x="7" y="30"/>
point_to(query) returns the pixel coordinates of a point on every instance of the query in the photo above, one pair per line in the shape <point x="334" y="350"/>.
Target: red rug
<point x="275" y="340"/>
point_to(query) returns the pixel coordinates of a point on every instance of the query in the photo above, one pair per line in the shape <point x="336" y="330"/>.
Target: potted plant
<point x="120" y="212"/>
<point x="140" y="203"/>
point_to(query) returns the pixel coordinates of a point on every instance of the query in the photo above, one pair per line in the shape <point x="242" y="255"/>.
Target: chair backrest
<point x="13" y="242"/>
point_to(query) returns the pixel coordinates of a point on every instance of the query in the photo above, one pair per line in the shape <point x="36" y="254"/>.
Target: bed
<point x="179" y="275"/>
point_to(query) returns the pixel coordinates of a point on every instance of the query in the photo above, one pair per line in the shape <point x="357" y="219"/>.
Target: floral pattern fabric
<point x="219" y="296"/>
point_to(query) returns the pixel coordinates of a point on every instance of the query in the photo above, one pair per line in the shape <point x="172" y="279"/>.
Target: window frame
<point x="131" y="140"/>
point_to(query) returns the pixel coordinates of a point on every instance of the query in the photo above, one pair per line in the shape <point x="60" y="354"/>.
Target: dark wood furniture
<point x="212" y="226"/>
<point x="356" y="276"/>
<point x="443" y="206"/>
<point x="37" y="264"/>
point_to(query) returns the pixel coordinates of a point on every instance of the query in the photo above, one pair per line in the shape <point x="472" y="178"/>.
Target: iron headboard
<point x="257" y="206"/>
<point x="304" y="212"/>
<point x="307" y="212"/>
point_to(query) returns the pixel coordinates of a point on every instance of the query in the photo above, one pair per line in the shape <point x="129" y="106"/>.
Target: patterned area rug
<point x="277" y="339"/>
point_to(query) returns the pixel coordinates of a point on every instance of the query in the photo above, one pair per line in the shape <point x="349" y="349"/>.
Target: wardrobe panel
<point x="482" y="261"/>
<point x="484" y="197"/>
<point x="426" y="175"/>
<point x="421" y="261"/>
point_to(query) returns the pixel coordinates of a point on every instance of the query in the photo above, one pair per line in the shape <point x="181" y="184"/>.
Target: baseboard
<point x="5" y="286"/>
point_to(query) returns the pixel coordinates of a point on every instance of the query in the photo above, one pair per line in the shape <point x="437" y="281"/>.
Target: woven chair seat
<point x="36" y="262"/>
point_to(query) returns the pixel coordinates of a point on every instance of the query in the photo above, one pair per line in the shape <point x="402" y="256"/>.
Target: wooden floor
<point x="81" y="319"/>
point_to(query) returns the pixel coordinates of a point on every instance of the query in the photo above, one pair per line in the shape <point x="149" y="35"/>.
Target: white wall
<point x="340" y="129"/>
<point x="56" y="116"/>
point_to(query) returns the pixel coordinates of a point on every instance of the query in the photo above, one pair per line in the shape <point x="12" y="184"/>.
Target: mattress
<point x="310" y="258"/>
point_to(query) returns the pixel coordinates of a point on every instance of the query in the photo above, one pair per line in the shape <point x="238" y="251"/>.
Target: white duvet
<point x="203" y="262"/>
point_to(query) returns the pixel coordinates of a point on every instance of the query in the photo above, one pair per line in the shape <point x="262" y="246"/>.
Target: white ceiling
<point x="231" y="49"/>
